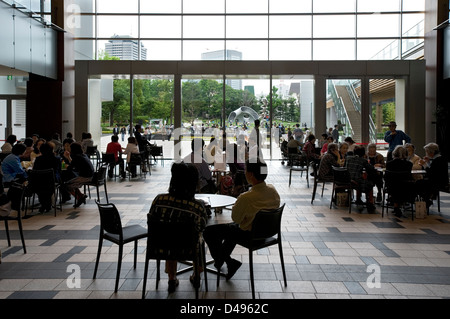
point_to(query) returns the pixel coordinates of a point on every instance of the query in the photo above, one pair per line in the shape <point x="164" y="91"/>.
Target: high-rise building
<point x="225" y="55"/>
<point x="125" y="49"/>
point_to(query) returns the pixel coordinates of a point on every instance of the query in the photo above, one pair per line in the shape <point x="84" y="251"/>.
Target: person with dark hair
<point x="26" y="156"/>
<point x="47" y="160"/>
<point x="82" y="169"/>
<point x="180" y="203"/>
<point x="310" y="149"/>
<point x="86" y="141"/>
<point x="11" y="166"/>
<point x="9" y="143"/>
<point x="394" y="138"/>
<point x="206" y="183"/>
<point x="115" y="148"/>
<point x="143" y="144"/>
<point x="57" y="141"/>
<point x="222" y="238"/>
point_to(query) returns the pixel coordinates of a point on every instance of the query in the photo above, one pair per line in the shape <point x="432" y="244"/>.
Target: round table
<point x="216" y="201"/>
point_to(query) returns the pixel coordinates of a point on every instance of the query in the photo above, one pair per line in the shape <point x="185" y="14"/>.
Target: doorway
<point x="12" y="116"/>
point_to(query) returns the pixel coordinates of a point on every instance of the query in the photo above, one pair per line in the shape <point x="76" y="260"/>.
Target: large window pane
<point x="332" y="6"/>
<point x="84" y="49"/>
<point x="378" y="25"/>
<point x="156" y="6"/>
<point x="160" y="26"/>
<point x="251" y="50"/>
<point x="247" y="6"/>
<point x="377" y="49"/>
<point x="86" y="27"/>
<point x="109" y="26"/>
<point x="203" y="27"/>
<point x="378" y="6"/>
<point x="289" y="50"/>
<point x="163" y="50"/>
<point x="413" y="25"/>
<point x="290" y="26"/>
<point x="290" y="6"/>
<point x="247" y="27"/>
<point x="204" y="6"/>
<point x="204" y="50"/>
<point x="117" y="6"/>
<point x="334" y="50"/>
<point x="84" y="6"/>
<point x="329" y="26"/>
<point x="414" y="5"/>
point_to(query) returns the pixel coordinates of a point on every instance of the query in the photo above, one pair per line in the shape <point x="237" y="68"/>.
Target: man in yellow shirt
<point x="221" y="238"/>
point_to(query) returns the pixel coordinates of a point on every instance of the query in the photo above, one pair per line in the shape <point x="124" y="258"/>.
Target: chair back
<point x="292" y="150"/>
<point x="91" y="150"/>
<point x="15" y="194"/>
<point x="172" y="234"/>
<point x="108" y="158"/>
<point x="110" y="220"/>
<point x="136" y="158"/>
<point x="42" y="180"/>
<point x="99" y="177"/>
<point x="267" y="223"/>
<point x="341" y="176"/>
<point x="156" y="151"/>
<point x="394" y="179"/>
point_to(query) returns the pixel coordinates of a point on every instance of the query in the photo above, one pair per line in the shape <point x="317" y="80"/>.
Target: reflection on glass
<point x="377" y="49"/>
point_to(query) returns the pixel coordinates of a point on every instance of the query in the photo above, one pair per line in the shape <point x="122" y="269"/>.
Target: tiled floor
<point x="329" y="253"/>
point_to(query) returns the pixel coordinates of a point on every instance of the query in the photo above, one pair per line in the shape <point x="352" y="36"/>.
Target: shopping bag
<point x="421" y="209"/>
<point x="342" y="199"/>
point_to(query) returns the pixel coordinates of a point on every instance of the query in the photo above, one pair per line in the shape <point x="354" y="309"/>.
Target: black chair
<point x="15" y="195"/>
<point x="43" y="182"/>
<point x="266" y="231"/>
<point x="342" y="182"/>
<point x="438" y="196"/>
<point x="94" y="155"/>
<point x="111" y="229"/>
<point x="98" y="180"/>
<point x="110" y="159"/>
<point x="157" y="151"/>
<point x="177" y="239"/>
<point x="299" y="163"/>
<point x="398" y="186"/>
<point x="137" y="160"/>
<point x="317" y="180"/>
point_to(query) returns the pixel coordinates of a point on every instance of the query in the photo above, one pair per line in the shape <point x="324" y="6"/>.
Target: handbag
<point x="421" y="209"/>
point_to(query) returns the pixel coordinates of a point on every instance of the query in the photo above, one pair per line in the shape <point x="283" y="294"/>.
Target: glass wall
<point x="257" y="29"/>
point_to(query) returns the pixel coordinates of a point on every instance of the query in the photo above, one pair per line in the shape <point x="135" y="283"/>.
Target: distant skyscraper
<point x="225" y="55"/>
<point x="125" y="49"/>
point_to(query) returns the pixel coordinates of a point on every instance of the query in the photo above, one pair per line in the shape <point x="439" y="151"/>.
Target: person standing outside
<point x="395" y="137"/>
<point x="298" y="133"/>
<point x="335" y="134"/>
<point x="116" y="130"/>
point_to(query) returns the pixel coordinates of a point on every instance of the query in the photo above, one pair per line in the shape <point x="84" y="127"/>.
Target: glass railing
<point x="341" y="112"/>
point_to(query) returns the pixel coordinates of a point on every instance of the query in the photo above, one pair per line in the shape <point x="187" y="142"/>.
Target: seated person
<point x="325" y="145"/>
<point x="436" y="177"/>
<point x="9" y="143"/>
<point x="351" y="145"/>
<point x="293" y="143"/>
<point x="356" y="164"/>
<point x="180" y="199"/>
<point x="212" y="150"/>
<point x="26" y="155"/>
<point x="415" y="159"/>
<point x="398" y="179"/>
<point x="206" y="183"/>
<point x="330" y="159"/>
<point x="46" y="161"/>
<point x="221" y="238"/>
<point x="81" y="166"/>
<point x="132" y="148"/>
<point x="115" y="148"/>
<point x="310" y="149"/>
<point x="11" y="167"/>
<point x="323" y="140"/>
<point x="377" y="161"/>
